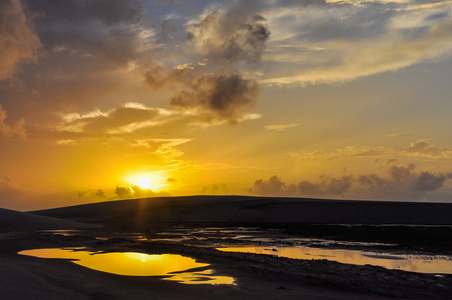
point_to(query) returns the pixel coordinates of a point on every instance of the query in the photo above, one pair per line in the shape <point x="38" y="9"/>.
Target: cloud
<point x="129" y="118"/>
<point x="159" y="76"/>
<point x="86" y="36"/>
<point x="9" y="131"/>
<point x="138" y="120"/>
<point x="227" y="34"/>
<point x="425" y="148"/>
<point x="90" y="194"/>
<point x="134" y="191"/>
<point x="325" y="186"/>
<point x="164" y="147"/>
<point x="108" y="122"/>
<point x="420" y="148"/>
<point x="273" y="186"/>
<point x="280" y="127"/>
<point x="18" y="41"/>
<point x="400" y="183"/>
<point x="224" y="96"/>
<point x="357" y="39"/>
<point x="346" y="152"/>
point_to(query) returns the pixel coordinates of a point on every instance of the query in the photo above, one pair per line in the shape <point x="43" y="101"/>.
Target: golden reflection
<point x="137" y="264"/>
<point x="202" y="277"/>
<point x="434" y="264"/>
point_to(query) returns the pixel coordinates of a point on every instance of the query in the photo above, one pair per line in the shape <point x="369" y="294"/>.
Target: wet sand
<point x="257" y="276"/>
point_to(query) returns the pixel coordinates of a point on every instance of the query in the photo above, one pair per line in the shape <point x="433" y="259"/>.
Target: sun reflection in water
<point x="174" y="267"/>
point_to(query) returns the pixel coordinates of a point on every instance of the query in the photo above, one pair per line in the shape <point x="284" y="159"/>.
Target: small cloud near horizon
<point x="134" y="191"/>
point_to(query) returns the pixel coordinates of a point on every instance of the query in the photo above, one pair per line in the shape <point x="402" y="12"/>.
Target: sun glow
<point x="147" y="181"/>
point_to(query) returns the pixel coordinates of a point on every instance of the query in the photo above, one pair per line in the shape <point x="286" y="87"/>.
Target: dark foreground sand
<point x="257" y="276"/>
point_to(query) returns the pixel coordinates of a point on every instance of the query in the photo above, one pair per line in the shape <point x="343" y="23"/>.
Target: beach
<point x="255" y="275"/>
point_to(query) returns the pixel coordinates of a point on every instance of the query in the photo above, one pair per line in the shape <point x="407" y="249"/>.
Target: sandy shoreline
<point x="257" y="276"/>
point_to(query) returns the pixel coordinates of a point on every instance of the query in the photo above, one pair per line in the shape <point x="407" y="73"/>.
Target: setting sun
<point x="147" y="181"/>
<point x="144" y="183"/>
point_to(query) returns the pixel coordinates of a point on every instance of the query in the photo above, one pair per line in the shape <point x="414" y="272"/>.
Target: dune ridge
<point x="11" y="220"/>
<point x="246" y="209"/>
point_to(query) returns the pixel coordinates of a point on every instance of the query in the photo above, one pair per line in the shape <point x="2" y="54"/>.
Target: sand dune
<point x="243" y="209"/>
<point x="11" y="220"/>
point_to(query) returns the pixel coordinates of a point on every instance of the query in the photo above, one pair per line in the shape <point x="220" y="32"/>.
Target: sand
<point x="11" y="220"/>
<point x="257" y="276"/>
<point x="242" y="209"/>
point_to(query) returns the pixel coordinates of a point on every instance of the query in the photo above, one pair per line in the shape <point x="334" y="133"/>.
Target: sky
<point x="103" y="100"/>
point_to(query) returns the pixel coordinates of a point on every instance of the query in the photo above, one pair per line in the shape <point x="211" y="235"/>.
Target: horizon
<point x="346" y="100"/>
<point x="276" y="198"/>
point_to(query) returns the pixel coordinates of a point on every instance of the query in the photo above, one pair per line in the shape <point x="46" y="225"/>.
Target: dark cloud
<point x="99" y="194"/>
<point x="402" y="183"/>
<point x="427" y="181"/>
<point x="159" y="76"/>
<point x="272" y="186"/>
<point x="18" y="41"/>
<point x="124" y="192"/>
<point x="326" y="186"/>
<point x="100" y="32"/>
<point x="225" y="95"/>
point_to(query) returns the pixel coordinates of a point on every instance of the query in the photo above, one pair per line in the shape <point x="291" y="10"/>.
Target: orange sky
<point x="341" y="99"/>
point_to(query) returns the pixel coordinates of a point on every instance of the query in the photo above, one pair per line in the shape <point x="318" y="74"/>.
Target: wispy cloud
<point x="420" y="148"/>
<point x="370" y="37"/>
<point x="281" y="127"/>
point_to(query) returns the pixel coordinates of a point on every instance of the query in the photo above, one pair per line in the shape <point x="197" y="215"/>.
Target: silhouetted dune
<point x="11" y="220"/>
<point x="243" y="209"/>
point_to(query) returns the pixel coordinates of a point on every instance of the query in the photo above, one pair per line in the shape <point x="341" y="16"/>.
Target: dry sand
<point x="258" y="276"/>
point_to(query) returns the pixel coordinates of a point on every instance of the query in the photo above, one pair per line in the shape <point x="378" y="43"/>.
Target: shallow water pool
<point x="175" y="267"/>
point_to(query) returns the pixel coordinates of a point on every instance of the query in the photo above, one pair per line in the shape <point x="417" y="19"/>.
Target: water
<point x="277" y="242"/>
<point x="414" y="263"/>
<point x="176" y="267"/>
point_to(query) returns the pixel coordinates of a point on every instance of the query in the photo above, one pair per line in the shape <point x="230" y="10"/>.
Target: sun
<point x="144" y="183"/>
<point x="147" y="180"/>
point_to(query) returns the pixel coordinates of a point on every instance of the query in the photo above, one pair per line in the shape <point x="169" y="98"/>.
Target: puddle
<point x="413" y="263"/>
<point x="64" y="232"/>
<point x="176" y="267"/>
